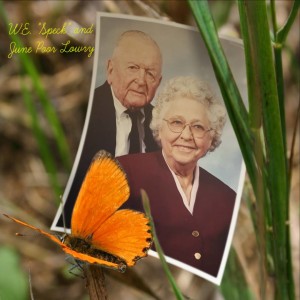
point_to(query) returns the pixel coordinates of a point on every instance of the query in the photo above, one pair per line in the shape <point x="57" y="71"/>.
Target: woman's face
<point x="184" y="149"/>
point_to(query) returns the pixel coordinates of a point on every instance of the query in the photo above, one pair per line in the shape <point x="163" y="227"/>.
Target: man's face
<point x="134" y="72"/>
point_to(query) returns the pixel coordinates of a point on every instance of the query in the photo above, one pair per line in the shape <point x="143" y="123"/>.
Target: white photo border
<point x="191" y="58"/>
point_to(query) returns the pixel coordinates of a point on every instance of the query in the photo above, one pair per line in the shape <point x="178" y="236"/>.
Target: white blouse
<point x="188" y="204"/>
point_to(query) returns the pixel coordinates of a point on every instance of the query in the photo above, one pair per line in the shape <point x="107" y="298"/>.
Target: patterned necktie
<point x="134" y="138"/>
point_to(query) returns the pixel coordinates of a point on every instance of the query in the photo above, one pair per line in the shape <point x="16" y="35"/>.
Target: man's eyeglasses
<point x="177" y="126"/>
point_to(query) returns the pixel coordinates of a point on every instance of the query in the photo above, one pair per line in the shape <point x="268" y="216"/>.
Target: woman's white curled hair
<point x="190" y="87"/>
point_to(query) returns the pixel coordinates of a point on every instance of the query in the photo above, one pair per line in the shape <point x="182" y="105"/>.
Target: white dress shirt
<point x="123" y="128"/>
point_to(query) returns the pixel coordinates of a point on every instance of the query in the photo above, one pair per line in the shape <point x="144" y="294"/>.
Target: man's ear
<point x="109" y="69"/>
<point x="160" y="79"/>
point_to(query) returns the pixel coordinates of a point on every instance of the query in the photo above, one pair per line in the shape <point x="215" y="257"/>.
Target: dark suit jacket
<point x="101" y="134"/>
<point x="181" y="234"/>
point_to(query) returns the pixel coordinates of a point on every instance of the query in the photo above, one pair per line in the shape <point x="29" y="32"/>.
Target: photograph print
<point x="156" y="106"/>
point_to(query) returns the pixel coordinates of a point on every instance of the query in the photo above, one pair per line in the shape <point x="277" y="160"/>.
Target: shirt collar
<point x="120" y="109"/>
<point x="188" y="204"/>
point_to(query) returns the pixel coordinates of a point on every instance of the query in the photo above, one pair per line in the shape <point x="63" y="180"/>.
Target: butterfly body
<point x="85" y="246"/>
<point x="100" y="233"/>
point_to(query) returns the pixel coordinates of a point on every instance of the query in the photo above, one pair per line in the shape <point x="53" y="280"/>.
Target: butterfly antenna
<point x="27" y="235"/>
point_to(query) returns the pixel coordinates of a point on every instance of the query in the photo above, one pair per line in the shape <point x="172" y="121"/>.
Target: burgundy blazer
<point x="197" y="240"/>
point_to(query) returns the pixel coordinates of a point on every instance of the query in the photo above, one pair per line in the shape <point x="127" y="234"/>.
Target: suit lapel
<point x="107" y="124"/>
<point x="149" y="141"/>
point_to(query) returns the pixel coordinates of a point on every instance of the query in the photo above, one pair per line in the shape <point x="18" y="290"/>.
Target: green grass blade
<point x="266" y="93"/>
<point x="13" y="280"/>
<point x="234" y="285"/>
<point x="231" y="95"/>
<point x="279" y="71"/>
<point x="262" y="218"/>
<point x="221" y="11"/>
<point x="170" y="277"/>
<point x="262" y="221"/>
<point x="280" y="91"/>
<point x="41" y="140"/>
<point x="288" y="241"/>
<point x="50" y="113"/>
<point x="279" y="39"/>
<point x="282" y="33"/>
<point x="266" y="136"/>
<point x="255" y="107"/>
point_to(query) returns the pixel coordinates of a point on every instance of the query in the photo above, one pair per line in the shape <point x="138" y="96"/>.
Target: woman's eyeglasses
<point x="177" y="126"/>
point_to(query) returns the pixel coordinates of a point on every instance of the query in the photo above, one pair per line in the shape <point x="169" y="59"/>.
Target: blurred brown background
<point x="25" y="190"/>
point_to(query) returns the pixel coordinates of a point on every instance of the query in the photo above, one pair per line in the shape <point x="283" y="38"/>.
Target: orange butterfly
<point x="101" y="234"/>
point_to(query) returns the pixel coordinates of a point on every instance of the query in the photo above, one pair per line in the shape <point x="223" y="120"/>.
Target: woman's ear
<point x="213" y="144"/>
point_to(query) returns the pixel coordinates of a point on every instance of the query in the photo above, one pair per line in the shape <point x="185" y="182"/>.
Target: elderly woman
<point x="191" y="208"/>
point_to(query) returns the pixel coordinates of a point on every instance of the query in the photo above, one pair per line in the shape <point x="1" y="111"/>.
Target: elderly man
<point x="133" y="75"/>
<point x="121" y="110"/>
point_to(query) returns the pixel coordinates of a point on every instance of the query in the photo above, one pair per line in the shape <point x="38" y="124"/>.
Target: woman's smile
<point x="185" y="148"/>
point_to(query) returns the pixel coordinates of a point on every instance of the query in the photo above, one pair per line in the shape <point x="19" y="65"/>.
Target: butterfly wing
<point x="68" y="250"/>
<point x="103" y="191"/>
<point x="125" y="234"/>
